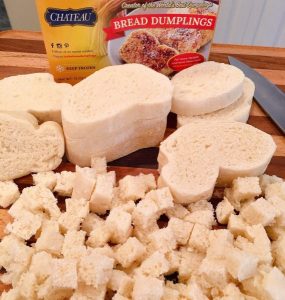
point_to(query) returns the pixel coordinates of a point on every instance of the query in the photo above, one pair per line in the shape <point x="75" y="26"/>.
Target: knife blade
<point x="267" y="95"/>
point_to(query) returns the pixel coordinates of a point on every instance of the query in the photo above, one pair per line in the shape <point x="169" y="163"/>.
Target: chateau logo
<point x="71" y="17"/>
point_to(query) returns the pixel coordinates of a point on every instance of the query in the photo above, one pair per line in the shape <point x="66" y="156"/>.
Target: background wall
<point x="249" y="22"/>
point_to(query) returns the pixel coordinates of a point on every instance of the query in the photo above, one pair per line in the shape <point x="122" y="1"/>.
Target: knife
<point x="267" y="95"/>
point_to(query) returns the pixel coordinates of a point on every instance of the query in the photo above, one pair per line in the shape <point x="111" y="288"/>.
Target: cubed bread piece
<point x="243" y="189"/>
<point x="50" y="240"/>
<point x="99" y="164"/>
<point x="214" y="272"/>
<point x="275" y="190"/>
<point x="200" y="205"/>
<point x="223" y="211"/>
<point x="265" y="180"/>
<point x="86" y="292"/>
<point x="27" y="286"/>
<point x="99" y="236"/>
<point x="202" y="217"/>
<point x="240" y="264"/>
<point x="189" y="264"/>
<point x="236" y="225"/>
<point x="73" y="244"/>
<point x="279" y="205"/>
<point x="195" y="291"/>
<point x="46" y="179"/>
<point x="119" y="224"/>
<point x="25" y="226"/>
<point x="149" y="288"/>
<point x="95" y="269"/>
<point x="170" y="294"/>
<point x="162" y="198"/>
<point x="121" y="283"/>
<point x="199" y="238"/>
<point x="162" y="240"/>
<point x="40" y="199"/>
<point x="155" y="265"/>
<point x="178" y="211"/>
<point x="16" y="209"/>
<point x="220" y="243"/>
<point x="84" y="183"/>
<point x="9" y="193"/>
<point x="64" y="273"/>
<point x="64" y="183"/>
<point x="259" y="212"/>
<point x="106" y="251"/>
<point x="274" y="285"/>
<point x="181" y="229"/>
<point x="131" y="251"/>
<point x="133" y="188"/>
<point x="41" y="265"/>
<point x="145" y="214"/>
<point x="101" y="198"/>
<point x="278" y="252"/>
<point x="90" y="222"/>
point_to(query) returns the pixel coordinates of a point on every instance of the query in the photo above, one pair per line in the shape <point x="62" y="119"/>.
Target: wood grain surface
<point x="24" y="52"/>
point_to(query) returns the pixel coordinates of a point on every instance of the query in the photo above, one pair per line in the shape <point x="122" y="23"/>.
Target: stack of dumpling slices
<point x="212" y="91"/>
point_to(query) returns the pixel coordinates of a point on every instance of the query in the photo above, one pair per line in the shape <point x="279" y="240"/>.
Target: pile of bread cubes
<point x="130" y="240"/>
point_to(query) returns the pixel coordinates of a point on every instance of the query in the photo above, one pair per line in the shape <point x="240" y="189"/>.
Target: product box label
<point x="84" y="36"/>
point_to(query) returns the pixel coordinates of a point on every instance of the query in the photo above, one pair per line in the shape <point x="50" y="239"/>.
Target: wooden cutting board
<point x="24" y="52"/>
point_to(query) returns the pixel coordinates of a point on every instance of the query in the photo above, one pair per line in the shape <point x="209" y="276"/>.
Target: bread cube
<point x="9" y="193"/>
<point x="131" y="251"/>
<point x="143" y="234"/>
<point x="223" y="211"/>
<point x="64" y="273"/>
<point x="101" y="198"/>
<point x="99" y="164"/>
<point x="64" y="183"/>
<point x="90" y="222"/>
<point x="259" y="212"/>
<point x="220" y="243"/>
<point x="73" y="244"/>
<point x="121" y="283"/>
<point x="279" y="205"/>
<point x="178" y="211"/>
<point x="25" y="226"/>
<point x="99" y="236"/>
<point x="155" y="265"/>
<point x="163" y="240"/>
<point x="133" y="188"/>
<point x="237" y="225"/>
<point x="275" y="190"/>
<point x="202" y="217"/>
<point x="265" y="180"/>
<point x="200" y="205"/>
<point x="41" y="265"/>
<point x="240" y="264"/>
<point x="95" y="269"/>
<point x="170" y="294"/>
<point x="147" y="288"/>
<point x="84" y="183"/>
<point x="46" y="179"/>
<point x="86" y="292"/>
<point x="274" y="285"/>
<point x="278" y="252"/>
<point x="162" y="198"/>
<point x="181" y="229"/>
<point x="16" y="209"/>
<point x="50" y="240"/>
<point x="145" y="214"/>
<point x="214" y="272"/>
<point x="199" y="238"/>
<point x="27" y="286"/>
<point x="39" y="199"/>
<point x="119" y="224"/>
<point x="243" y="189"/>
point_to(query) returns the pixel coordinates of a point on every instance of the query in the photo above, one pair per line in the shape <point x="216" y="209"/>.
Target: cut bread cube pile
<point x="212" y="91"/>
<point x="110" y="240"/>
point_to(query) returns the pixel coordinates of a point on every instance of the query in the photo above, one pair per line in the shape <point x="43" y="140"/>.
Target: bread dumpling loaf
<point x="205" y="88"/>
<point x="238" y="111"/>
<point x="27" y="147"/>
<point x="199" y="154"/>
<point x="116" y="111"/>
<point x="36" y="93"/>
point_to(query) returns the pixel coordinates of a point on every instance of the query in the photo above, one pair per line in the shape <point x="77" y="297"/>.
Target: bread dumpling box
<point x="82" y="37"/>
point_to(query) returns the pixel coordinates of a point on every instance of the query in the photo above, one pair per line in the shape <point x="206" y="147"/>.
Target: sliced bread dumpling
<point x="205" y="88"/>
<point x="36" y="93"/>
<point x="200" y="154"/>
<point x="116" y="111"/>
<point x="238" y="111"/>
<point x="27" y="147"/>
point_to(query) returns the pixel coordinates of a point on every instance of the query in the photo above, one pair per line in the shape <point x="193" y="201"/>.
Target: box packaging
<point x="84" y="36"/>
